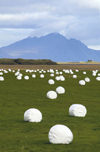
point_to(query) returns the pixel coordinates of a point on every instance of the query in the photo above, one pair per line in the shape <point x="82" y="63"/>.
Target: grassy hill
<point x="26" y="62"/>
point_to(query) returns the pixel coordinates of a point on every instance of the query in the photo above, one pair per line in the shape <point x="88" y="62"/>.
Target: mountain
<point x="53" y="46"/>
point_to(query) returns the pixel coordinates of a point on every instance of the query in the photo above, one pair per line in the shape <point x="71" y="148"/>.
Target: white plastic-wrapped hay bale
<point x="82" y="82"/>
<point x="60" y="72"/>
<point x="94" y="73"/>
<point x="60" y="134"/>
<point x="1" y="73"/>
<point x="67" y="71"/>
<point x="44" y="71"/>
<point x="1" y="78"/>
<point x="17" y="73"/>
<point x="52" y="75"/>
<point x="98" y="74"/>
<point x="84" y="72"/>
<point x="41" y="75"/>
<point x="51" y="94"/>
<point x="77" y="70"/>
<point x="71" y="72"/>
<point x="5" y="71"/>
<point x="57" y="78"/>
<point x="62" y="78"/>
<point x="19" y="77"/>
<point x="32" y="115"/>
<point x="77" y="110"/>
<point x="57" y="73"/>
<point x="87" y="79"/>
<point x="9" y="70"/>
<point x="74" y="76"/>
<point x="98" y="78"/>
<point x="51" y="71"/>
<point x="26" y="77"/>
<point x="51" y="81"/>
<point x="60" y="90"/>
<point x="33" y="75"/>
<point x="27" y="70"/>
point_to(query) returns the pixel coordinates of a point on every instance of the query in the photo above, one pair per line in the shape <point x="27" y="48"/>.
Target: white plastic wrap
<point x="60" y="90"/>
<point x="74" y="76"/>
<point x="98" y="78"/>
<point x="57" y="78"/>
<point x="52" y="75"/>
<point x="62" y="78"/>
<point x="1" y="73"/>
<point x="19" y="77"/>
<point x="77" y="110"/>
<point x="32" y="115"/>
<point x="26" y="77"/>
<point x="82" y="82"/>
<point x="33" y="75"/>
<point x="41" y="75"/>
<point x="51" y="81"/>
<point x="60" y="134"/>
<point x="51" y="94"/>
<point x="87" y="79"/>
<point x="84" y="72"/>
<point x="1" y="78"/>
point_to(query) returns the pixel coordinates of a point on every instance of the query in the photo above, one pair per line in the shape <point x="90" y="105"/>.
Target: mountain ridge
<point x="53" y="46"/>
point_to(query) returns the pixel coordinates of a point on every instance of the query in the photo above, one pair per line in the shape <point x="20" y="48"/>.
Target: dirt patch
<point x="60" y="67"/>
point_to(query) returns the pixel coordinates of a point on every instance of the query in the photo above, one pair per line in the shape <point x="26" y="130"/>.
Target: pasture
<point x="16" y="96"/>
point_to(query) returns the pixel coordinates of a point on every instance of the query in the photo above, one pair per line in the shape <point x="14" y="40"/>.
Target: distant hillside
<point x="52" y="46"/>
<point x="26" y="62"/>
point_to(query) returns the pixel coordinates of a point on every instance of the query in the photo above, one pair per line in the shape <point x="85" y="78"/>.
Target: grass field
<point x="17" y="96"/>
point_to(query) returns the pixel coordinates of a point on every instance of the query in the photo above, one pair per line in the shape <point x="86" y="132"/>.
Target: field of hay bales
<point x="16" y="96"/>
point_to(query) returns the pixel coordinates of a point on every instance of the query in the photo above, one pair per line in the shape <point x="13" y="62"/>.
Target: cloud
<point x="17" y="54"/>
<point x="78" y="19"/>
<point x="23" y="17"/>
<point x="8" y="36"/>
<point x="94" y="4"/>
<point x="96" y="47"/>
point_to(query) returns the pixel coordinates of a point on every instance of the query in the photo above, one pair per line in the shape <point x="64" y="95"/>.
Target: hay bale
<point x="60" y="134"/>
<point x="33" y="75"/>
<point x="26" y="77"/>
<point x="1" y="78"/>
<point x="19" y="77"/>
<point x="60" y="90"/>
<point x="98" y="78"/>
<point x="74" y="76"/>
<point x="51" y="95"/>
<point x="77" y="110"/>
<point x="32" y="115"/>
<point x="87" y="79"/>
<point x="41" y="75"/>
<point x="82" y="82"/>
<point x="51" y="81"/>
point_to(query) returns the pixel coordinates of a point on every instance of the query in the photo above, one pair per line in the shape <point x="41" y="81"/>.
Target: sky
<point x="79" y="19"/>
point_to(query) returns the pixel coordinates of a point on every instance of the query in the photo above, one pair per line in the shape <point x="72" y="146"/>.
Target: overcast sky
<point x="79" y="19"/>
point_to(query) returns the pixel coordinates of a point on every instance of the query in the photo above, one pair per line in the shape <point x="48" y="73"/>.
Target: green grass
<point x="18" y="96"/>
